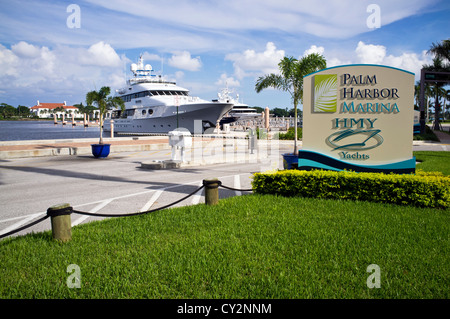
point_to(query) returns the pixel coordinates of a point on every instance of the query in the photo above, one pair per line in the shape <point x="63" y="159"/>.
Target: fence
<point x="60" y="214"/>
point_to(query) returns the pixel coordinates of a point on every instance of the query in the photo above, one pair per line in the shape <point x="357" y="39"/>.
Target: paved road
<point x="118" y="184"/>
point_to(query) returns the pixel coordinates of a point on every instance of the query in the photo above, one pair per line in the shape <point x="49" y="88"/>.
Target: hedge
<point x="420" y="190"/>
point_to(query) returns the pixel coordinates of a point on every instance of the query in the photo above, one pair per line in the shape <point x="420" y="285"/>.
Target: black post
<point x="422" y="102"/>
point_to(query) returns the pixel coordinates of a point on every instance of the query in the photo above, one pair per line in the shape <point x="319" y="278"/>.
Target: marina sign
<point x="359" y="118"/>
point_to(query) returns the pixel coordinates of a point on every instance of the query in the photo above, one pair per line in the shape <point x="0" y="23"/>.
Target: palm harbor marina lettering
<point x="372" y="93"/>
<point x="360" y="97"/>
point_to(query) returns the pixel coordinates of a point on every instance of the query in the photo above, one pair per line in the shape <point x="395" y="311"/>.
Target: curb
<point x="83" y="150"/>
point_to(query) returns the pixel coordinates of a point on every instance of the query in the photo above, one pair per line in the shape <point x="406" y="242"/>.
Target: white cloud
<point x="25" y="50"/>
<point x="100" y="54"/>
<point x="227" y="81"/>
<point x="251" y="63"/>
<point x="369" y="53"/>
<point x="330" y="19"/>
<point x="8" y="60"/>
<point x="151" y="56"/>
<point x="183" y="60"/>
<point x="314" y="49"/>
<point x="377" y="54"/>
<point x="63" y="71"/>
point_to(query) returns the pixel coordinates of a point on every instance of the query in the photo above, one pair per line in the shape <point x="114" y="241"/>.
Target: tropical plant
<point x="442" y="51"/>
<point x="103" y="102"/>
<point x="290" y="79"/>
<point x="441" y="63"/>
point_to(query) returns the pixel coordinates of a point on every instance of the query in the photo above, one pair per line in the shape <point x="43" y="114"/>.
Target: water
<point x="45" y="130"/>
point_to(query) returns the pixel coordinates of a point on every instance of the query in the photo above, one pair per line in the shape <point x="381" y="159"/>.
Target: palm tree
<point x="290" y="79"/>
<point x="441" y="63"/>
<point x="428" y="92"/>
<point x="441" y="50"/>
<point x="103" y="102"/>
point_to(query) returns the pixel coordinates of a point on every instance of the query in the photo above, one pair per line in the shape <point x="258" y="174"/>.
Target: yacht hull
<point x="196" y="118"/>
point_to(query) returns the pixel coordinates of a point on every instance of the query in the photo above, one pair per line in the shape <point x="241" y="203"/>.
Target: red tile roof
<point x="51" y="106"/>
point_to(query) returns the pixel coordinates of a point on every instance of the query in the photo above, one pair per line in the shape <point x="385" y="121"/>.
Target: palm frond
<point x="271" y="80"/>
<point x="325" y="95"/>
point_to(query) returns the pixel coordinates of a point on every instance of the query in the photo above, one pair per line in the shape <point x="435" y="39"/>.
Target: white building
<point x="46" y="110"/>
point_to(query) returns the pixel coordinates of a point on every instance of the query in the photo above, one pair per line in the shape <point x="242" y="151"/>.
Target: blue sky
<point x="202" y="44"/>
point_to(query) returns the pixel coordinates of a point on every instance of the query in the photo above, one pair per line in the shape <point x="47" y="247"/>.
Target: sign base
<point x="309" y="160"/>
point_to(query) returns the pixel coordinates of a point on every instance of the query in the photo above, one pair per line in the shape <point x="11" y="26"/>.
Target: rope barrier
<point x="69" y="210"/>
<point x="139" y="213"/>
<point x="238" y="190"/>
<point x="24" y="227"/>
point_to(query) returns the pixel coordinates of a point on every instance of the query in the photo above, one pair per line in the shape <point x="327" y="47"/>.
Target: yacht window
<point x="129" y="112"/>
<point x="144" y="112"/>
<point x="150" y="112"/>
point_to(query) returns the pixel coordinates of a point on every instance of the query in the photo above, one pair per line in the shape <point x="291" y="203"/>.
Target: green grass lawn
<point x="433" y="161"/>
<point x="246" y="247"/>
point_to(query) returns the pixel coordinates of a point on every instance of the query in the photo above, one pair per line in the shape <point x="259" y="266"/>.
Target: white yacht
<point x="154" y="105"/>
<point x="240" y="111"/>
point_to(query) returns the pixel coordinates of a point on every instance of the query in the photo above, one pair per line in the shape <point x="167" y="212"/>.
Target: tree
<point x="279" y="112"/>
<point x="7" y="111"/>
<point x="441" y="63"/>
<point x="103" y="102"/>
<point x="428" y="94"/>
<point x="23" y="111"/>
<point x="290" y="79"/>
<point x="442" y="51"/>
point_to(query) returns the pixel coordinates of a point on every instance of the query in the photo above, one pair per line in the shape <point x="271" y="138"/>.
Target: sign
<point x="359" y="118"/>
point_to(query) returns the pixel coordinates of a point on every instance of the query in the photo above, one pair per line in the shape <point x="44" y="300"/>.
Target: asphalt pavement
<point x="118" y="184"/>
<point x="31" y="182"/>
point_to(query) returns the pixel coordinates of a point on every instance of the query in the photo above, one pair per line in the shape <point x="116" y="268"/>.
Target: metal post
<point x="61" y="222"/>
<point x="112" y="128"/>
<point x="211" y="191"/>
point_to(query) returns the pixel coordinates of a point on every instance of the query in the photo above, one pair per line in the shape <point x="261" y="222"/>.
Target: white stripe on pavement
<point x="94" y="210"/>
<point x="198" y="195"/>
<point x="152" y="200"/>
<point x="19" y="224"/>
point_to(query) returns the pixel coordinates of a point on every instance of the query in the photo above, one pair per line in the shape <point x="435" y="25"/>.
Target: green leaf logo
<point x="325" y="93"/>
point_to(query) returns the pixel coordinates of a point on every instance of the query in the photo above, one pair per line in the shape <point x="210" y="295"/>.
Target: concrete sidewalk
<point x="36" y="148"/>
<point x="443" y="137"/>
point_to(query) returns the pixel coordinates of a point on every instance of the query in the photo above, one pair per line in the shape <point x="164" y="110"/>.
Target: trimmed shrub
<point x="423" y="190"/>
<point x="289" y="135"/>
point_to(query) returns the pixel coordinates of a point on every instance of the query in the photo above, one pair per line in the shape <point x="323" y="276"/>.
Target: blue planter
<point x="100" y="150"/>
<point x="290" y="161"/>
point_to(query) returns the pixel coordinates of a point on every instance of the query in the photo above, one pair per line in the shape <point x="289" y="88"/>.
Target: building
<point x="46" y="110"/>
